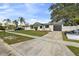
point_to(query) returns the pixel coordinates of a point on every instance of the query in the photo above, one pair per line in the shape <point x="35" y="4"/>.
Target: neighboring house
<point x="5" y="24"/>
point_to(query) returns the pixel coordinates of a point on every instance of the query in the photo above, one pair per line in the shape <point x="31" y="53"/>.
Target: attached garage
<point x="57" y="26"/>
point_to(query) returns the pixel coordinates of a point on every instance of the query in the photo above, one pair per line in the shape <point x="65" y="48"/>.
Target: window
<point x="46" y="26"/>
<point x="40" y="26"/>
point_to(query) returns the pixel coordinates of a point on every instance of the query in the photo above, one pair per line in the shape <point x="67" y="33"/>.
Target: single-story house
<point x="40" y="26"/>
<point x="51" y="26"/>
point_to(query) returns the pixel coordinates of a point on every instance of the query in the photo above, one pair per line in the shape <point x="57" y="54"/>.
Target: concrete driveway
<point x="48" y="45"/>
<point x="6" y="50"/>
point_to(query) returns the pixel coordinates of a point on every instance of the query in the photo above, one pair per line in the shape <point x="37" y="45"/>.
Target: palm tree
<point x="7" y="20"/>
<point x="16" y="23"/>
<point x="22" y="20"/>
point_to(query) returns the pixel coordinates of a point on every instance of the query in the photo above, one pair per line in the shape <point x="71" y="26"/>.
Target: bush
<point x="2" y="27"/>
<point x="19" y="29"/>
<point x="76" y="20"/>
<point x="66" y="24"/>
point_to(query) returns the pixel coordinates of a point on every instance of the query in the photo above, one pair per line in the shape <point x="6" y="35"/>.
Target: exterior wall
<point x="28" y="28"/>
<point x="51" y="27"/>
<point x="46" y="29"/>
<point x="41" y="29"/>
<point x="69" y="28"/>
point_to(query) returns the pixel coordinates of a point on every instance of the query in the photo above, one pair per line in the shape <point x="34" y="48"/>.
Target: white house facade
<point x="40" y="27"/>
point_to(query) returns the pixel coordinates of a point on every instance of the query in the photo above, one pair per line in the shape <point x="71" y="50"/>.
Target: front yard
<point x="34" y="33"/>
<point x="75" y="50"/>
<point x="12" y="38"/>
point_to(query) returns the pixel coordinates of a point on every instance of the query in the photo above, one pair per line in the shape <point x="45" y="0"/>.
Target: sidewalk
<point x="6" y="50"/>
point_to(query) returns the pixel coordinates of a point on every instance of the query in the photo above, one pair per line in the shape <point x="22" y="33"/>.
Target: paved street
<point x="48" y="45"/>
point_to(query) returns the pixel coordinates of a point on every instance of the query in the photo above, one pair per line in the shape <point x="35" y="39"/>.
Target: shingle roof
<point x="37" y="24"/>
<point x="40" y="24"/>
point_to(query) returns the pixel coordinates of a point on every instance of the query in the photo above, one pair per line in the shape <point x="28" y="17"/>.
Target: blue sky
<point x="32" y="12"/>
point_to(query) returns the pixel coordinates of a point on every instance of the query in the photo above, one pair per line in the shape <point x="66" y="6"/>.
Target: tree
<point x="16" y="23"/>
<point x="76" y="20"/>
<point x="22" y="20"/>
<point x="7" y="21"/>
<point x="66" y="11"/>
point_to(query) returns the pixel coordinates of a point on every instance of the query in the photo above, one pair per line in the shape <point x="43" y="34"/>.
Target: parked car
<point x="19" y="29"/>
<point x="73" y="32"/>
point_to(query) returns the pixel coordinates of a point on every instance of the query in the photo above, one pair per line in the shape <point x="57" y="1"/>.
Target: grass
<point x="34" y="33"/>
<point x="75" y="50"/>
<point x="66" y="39"/>
<point x="15" y="39"/>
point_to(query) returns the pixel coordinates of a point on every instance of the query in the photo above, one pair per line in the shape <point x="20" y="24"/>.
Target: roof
<point x="59" y="22"/>
<point x="36" y="24"/>
<point x="50" y="23"/>
<point x="39" y="24"/>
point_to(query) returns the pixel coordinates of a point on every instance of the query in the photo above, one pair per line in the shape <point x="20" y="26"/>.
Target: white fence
<point x="69" y="28"/>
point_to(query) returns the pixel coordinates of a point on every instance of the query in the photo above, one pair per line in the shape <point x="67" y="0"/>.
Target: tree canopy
<point x="66" y="11"/>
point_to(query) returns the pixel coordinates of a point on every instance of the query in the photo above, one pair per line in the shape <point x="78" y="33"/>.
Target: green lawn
<point x="75" y="50"/>
<point x="12" y="38"/>
<point x="66" y="39"/>
<point x="34" y="33"/>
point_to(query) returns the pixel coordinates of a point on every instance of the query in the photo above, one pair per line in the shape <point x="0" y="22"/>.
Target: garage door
<point x="57" y="27"/>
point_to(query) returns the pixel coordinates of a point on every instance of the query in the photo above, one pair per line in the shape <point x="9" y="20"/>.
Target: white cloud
<point x="32" y="21"/>
<point x="5" y="6"/>
<point x="2" y="18"/>
<point x="9" y="10"/>
<point x="6" y="11"/>
<point x="32" y="8"/>
<point x="32" y="11"/>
